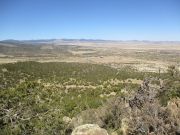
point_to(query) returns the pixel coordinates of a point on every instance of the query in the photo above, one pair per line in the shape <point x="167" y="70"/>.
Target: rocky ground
<point x="140" y="114"/>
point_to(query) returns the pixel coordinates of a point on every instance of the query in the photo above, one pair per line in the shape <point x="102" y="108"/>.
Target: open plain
<point x="141" y="55"/>
<point x="63" y="87"/>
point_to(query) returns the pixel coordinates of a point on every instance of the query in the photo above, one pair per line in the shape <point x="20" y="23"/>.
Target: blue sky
<point x="90" y="19"/>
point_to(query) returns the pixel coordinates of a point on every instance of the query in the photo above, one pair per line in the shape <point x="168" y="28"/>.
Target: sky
<point x="157" y="20"/>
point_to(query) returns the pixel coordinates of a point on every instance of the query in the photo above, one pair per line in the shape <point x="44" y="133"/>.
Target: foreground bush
<point x="140" y="114"/>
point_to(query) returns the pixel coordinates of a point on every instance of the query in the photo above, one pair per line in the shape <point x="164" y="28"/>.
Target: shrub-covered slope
<point x="45" y="98"/>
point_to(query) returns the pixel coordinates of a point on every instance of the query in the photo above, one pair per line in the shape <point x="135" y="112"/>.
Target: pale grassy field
<point x="142" y="56"/>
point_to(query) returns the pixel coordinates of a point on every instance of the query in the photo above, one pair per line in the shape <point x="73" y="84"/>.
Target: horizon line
<point x="90" y="39"/>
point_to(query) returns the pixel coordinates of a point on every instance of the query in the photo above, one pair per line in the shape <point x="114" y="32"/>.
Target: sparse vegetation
<point x="35" y="97"/>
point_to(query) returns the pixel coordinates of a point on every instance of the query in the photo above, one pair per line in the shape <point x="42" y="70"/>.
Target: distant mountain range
<point x="76" y="41"/>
